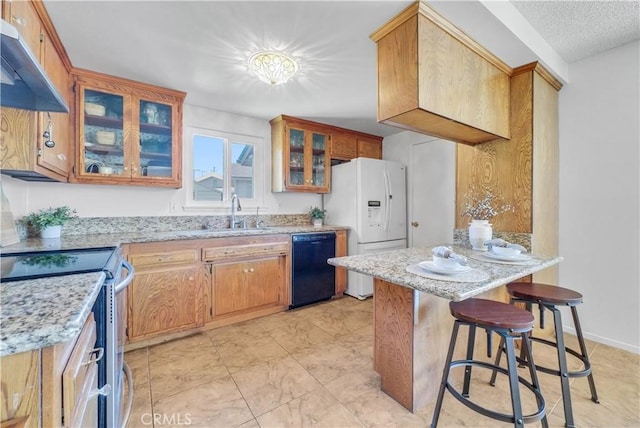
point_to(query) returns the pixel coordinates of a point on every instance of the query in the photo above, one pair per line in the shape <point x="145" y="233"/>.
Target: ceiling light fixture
<point x="273" y="67"/>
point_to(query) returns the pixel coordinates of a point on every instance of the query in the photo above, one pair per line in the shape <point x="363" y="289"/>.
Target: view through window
<point x="222" y="166"/>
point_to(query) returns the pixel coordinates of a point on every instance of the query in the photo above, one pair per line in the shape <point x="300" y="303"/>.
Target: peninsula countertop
<point x="391" y="266"/>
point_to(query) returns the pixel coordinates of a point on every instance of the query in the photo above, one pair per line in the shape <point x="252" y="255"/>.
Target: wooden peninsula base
<point x="412" y="332"/>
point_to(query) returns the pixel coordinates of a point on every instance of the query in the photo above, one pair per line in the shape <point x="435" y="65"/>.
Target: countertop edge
<point x="34" y="333"/>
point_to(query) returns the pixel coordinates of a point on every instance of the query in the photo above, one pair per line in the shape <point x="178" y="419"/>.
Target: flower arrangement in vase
<point x="317" y="216"/>
<point x="481" y="208"/>
<point x="49" y="221"/>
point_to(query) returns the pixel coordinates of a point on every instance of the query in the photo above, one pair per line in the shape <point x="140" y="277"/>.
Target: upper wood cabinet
<point x="301" y="152"/>
<point x="346" y="145"/>
<point x="300" y="156"/>
<point x="128" y="132"/>
<point x="434" y="79"/>
<point x="36" y="146"/>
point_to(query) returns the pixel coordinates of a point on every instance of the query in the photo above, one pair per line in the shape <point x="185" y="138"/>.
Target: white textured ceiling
<point x="578" y="29"/>
<point x="202" y="47"/>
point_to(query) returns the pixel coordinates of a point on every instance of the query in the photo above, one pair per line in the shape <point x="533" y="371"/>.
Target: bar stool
<point x="509" y="322"/>
<point x="548" y="297"/>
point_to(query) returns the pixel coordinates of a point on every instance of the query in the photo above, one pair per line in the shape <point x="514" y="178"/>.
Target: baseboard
<point x="605" y="340"/>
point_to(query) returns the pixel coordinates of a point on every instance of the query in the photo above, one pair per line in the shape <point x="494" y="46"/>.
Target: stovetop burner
<point x="44" y="264"/>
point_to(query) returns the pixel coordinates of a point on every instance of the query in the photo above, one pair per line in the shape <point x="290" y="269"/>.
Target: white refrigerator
<point x="370" y="197"/>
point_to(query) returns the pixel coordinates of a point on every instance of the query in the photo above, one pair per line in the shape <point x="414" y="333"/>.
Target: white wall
<point x="599" y="193"/>
<point x="114" y="201"/>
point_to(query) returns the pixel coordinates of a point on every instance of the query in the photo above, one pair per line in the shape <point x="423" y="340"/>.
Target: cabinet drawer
<point x="78" y="376"/>
<point x="164" y="258"/>
<point x="241" y="251"/>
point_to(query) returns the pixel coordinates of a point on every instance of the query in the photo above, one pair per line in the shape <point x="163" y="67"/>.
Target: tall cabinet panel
<point x="129" y="132"/>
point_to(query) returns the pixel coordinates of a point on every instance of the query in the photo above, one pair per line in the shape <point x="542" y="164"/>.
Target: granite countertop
<point x="43" y="312"/>
<point x="391" y="266"/>
<point x="116" y="239"/>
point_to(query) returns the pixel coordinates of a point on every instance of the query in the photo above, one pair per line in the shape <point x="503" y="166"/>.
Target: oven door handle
<point x="127" y="279"/>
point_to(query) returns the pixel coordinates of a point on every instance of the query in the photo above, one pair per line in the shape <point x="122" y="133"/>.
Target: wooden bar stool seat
<point x="510" y="323"/>
<point x="549" y="297"/>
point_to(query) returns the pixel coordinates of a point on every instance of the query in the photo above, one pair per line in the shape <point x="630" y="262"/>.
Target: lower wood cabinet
<point x="20" y="389"/>
<point x="54" y="386"/>
<point x="247" y="285"/>
<point x="247" y="277"/>
<point x="165" y="294"/>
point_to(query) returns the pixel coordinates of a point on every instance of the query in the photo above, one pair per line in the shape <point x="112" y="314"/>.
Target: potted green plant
<point x="317" y="216"/>
<point x="49" y="221"/>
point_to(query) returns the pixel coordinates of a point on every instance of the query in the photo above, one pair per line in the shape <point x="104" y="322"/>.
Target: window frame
<point x="229" y="138"/>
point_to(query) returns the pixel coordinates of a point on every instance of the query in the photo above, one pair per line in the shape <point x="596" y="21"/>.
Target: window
<point x="222" y="164"/>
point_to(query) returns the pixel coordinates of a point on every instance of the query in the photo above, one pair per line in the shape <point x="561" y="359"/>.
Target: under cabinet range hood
<point x="24" y="83"/>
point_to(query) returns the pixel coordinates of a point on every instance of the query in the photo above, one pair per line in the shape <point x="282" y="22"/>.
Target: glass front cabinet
<point x="300" y="156"/>
<point x="128" y="132"/>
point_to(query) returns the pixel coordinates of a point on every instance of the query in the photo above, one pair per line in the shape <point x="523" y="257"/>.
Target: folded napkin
<point x="497" y="242"/>
<point x="448" y="253"/>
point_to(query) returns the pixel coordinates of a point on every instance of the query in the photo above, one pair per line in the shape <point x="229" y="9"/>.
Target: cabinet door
<point x="20" y="389"/>
<point x="23" y="16"/>
<point x="54" y="149"/>
<point x="244" y="286"/>
<point x="308" y="160"/>
<point x="103" y="132"/>
<point x="343" y="146"/>
<point x="369" y="148"/>
<point x="163" y="300"/>
<point x="156" y="152"/>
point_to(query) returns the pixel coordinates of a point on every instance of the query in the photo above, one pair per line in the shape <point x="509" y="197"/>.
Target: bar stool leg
<point x="585" y="355"/>
<point x="445" y="374"/>
<point x="471" y="341"/>
<point x="564" y="371"/>
<point x="527" y="353"/>
<point x="513" y="381"/>
<point x="492" y="381"/>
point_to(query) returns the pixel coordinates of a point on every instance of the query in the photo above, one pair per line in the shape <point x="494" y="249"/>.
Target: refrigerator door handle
<point x="389" y="199"/>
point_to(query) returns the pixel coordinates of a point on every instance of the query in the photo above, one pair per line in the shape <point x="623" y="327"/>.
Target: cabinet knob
<point x="415" y="224"/>
<point x="251" y="270"/>
<point x="191" y="278"/>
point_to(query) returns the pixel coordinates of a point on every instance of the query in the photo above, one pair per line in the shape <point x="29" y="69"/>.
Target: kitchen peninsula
<point x="412" y="324"/>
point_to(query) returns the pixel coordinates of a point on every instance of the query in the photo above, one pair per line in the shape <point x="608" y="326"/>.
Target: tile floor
<point x="313" y="367"/>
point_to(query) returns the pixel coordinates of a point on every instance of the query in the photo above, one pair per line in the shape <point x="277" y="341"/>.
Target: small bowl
<point x="94" y="109"/>
<point x="445" y="263"/>
<point x="106" y="138"/>
<point x="505" y="251"/>
<point x="105" y="170"/>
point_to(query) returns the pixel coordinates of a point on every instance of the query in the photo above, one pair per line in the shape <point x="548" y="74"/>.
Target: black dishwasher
<point x="312" y="278"/>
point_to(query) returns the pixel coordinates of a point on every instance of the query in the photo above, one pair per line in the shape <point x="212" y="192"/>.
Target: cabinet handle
<point x="18" y="20"/>
<point x="98" y="357"/>
<point x="251" y="270"/>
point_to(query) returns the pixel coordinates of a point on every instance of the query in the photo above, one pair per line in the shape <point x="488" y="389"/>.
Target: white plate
<point x="430" y="266"/>
<point x="515" y="258"/>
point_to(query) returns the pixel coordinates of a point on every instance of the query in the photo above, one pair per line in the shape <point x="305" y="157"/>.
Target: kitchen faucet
<point x="234" y="200"/>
